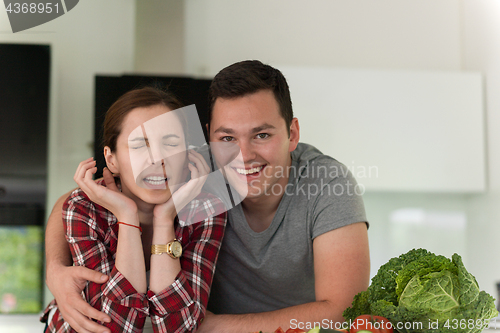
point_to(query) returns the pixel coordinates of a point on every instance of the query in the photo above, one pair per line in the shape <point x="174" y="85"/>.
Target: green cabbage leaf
<point x="423" y="292"/>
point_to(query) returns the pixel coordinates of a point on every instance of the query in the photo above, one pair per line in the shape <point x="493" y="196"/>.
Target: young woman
<point x="141" y="231"/>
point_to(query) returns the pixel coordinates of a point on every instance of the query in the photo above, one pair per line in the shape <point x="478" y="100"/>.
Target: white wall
<point x="482" y="52"/>
<point x="423" y="34"/>
<point x="160" y="37"/>
<point x="94" y="37"/>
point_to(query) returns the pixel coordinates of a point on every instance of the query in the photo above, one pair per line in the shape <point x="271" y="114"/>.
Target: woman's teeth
<point x="249" y="171"/>
<point x="155" y="180"/>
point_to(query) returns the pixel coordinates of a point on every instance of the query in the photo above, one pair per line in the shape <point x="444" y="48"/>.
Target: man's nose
<point x="247" y="151"/>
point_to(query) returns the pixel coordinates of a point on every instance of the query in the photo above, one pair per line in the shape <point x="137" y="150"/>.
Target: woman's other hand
<point x="181" y="197"/>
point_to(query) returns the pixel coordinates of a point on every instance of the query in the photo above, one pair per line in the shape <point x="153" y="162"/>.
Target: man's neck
<point x="260" y="212"/>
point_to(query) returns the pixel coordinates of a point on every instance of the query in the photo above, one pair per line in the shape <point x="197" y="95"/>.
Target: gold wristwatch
<point x="173" y="249"/>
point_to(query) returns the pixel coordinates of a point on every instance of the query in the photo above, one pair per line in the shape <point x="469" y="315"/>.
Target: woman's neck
<point x="145" y="210"/>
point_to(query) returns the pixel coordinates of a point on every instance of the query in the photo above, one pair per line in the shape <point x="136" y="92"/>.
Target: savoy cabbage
<point x="421" y="287"/>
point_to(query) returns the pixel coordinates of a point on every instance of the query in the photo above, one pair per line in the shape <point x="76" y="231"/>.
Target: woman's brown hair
<point x="138" y="98"/>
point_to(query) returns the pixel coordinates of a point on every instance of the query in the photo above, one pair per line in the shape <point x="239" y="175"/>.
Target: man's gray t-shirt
<point x="274" y="269"/>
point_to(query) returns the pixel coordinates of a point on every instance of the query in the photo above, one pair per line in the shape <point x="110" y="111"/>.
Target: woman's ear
<point x="111" y="161"/>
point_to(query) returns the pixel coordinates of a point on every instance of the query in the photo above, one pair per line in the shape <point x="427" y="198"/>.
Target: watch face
<point x="176" y="249"/>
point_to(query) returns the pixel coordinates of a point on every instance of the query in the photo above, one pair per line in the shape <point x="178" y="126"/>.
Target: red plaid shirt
<point x="92" y="233"/>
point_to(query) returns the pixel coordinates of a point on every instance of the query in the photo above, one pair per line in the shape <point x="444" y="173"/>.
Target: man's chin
<point x="253" y="192"/>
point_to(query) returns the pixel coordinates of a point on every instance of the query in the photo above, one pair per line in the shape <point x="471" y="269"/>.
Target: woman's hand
<point x="199" y="168"/>
<point x="108" y="196"/>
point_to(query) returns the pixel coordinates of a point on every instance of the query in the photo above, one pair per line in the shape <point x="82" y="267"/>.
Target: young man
<point x="295" y="250"/>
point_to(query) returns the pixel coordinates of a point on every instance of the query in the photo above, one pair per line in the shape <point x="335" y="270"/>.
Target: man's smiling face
<point x="254" y="123"/>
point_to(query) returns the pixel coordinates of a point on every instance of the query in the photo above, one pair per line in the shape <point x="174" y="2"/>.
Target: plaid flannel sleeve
<point x="181" y="307"/>
<point x="86" y="225"/>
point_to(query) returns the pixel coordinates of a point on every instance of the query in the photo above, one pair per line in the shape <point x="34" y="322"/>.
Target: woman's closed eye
<point x="171" y="142"/>
<point x="137" y="144"/>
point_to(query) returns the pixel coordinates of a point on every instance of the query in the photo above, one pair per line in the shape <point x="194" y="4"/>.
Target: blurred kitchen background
<point x="405" y="93"/>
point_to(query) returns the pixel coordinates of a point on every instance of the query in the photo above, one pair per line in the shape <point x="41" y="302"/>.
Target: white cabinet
<point x="395" y="130"/>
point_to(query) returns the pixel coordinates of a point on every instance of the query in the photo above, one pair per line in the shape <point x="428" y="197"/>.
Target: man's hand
<point x="207" y="323"/>
<point x="66" y="284"/>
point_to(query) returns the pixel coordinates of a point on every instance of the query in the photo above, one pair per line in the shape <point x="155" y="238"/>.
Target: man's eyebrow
<point x="253" y="130"/>
<point x="224" y="130"/>
<point x="262" y="128"/>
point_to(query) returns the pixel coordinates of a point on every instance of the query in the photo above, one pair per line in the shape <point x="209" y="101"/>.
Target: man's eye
<point x="138" y="146"/>
<point x="262" y="135"/>
<point x="171" y="144"/>
<point x="227" y="138"/>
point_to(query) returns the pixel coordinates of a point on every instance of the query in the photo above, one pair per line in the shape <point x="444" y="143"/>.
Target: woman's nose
<point x="156" y="154"/>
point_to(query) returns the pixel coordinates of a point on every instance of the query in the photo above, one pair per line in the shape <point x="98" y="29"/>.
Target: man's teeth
<point x="249" y="171"/>
<point x="155" y="180"/>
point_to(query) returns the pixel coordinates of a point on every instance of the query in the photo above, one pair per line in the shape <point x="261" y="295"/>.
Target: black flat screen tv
<point x="24" y="109"/>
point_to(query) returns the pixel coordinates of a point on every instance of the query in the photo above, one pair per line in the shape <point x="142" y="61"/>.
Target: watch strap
<point x="160" y="248"/>
<point x="164" y="248"/>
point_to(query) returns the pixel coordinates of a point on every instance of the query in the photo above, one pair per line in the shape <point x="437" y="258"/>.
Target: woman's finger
<point x="193" y="187"/>
<point x="89" y="183"/>
<point x="200" y="161"/>
<point x="82" y="177"/>
<point x="82" y="170"/>
<point x="86" y="173"/>
<point x="194" y="171"/>
<point x="201" y="174"/>
<point x="109" y="180"/>
<point x="82" y="167"/>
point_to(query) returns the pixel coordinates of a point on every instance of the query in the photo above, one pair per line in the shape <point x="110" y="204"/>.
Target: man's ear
<point x="111" y="161"/>
<point x="294" y="135"/>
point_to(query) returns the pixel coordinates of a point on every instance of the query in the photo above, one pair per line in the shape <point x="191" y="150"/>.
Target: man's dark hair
<point x="247" y="77"/>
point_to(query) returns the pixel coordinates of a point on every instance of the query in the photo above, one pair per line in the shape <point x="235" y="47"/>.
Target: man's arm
<point x="341" y="268"/>
<point x="65" y="281"/>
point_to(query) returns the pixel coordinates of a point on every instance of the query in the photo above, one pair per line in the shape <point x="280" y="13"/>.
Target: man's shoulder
<point x="308" y="153"/>
<point x="78" y="197"/>
<point x="307" y="157"/>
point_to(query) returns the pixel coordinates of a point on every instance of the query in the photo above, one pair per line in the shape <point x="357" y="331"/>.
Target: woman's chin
<point x="155" y="197"/>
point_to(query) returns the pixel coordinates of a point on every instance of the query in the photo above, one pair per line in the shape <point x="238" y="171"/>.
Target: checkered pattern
<point x="92" y="233"/>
